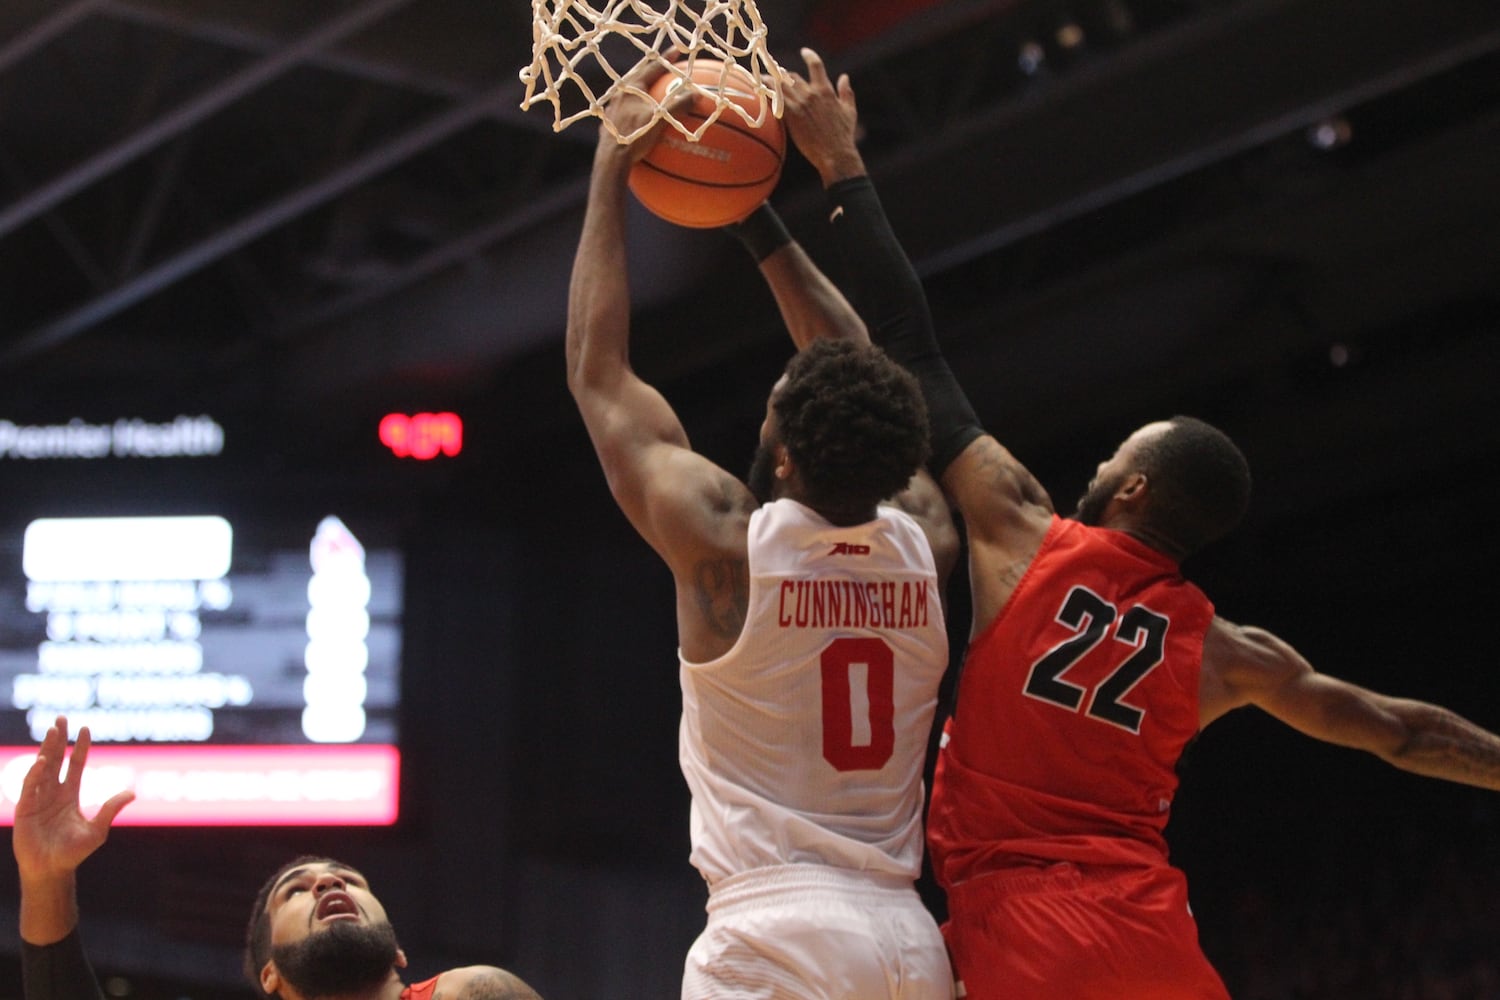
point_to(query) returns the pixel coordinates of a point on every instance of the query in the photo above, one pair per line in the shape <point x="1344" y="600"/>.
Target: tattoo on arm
<point x="1454" y="748"/>
<point x="722" y="588"/>
<point x="993" y="470"/>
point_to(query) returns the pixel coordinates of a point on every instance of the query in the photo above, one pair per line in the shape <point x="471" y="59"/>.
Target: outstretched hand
<point x="822" y="119"/>
<point x="52" y="837"/>
<point x="629" y="111"/>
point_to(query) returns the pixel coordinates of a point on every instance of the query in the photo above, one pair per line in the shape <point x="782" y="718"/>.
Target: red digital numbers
<point x="423" y="435"/>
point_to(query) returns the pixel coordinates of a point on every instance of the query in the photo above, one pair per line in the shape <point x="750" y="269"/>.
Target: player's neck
<point x="844" y="518"/>
<point x="1154" y="540"/>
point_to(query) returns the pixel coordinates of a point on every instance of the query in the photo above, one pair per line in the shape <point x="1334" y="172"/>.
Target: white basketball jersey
<point x="805" y="742"/>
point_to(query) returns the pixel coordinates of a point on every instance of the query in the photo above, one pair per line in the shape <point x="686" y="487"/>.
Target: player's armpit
<point x="998" y="496"/>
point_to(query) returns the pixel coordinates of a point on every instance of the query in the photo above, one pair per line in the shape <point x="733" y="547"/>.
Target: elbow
<point x="578" y="360"/>
<point x="592" y="373"/>
<point x="574" y="364"/>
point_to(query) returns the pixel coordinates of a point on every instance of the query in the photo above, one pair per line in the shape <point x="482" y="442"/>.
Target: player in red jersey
<point x="315" y="931"/>
<point x="1092" y="664"/>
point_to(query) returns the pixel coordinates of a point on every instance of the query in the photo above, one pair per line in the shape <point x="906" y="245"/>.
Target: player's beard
<point x="762" y="477"/>
<point x="1092" y="504"/>
<point x="344" y="959"/>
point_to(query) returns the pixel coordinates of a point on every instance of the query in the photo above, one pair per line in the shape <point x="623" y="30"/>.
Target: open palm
<point x="52" y="836"/>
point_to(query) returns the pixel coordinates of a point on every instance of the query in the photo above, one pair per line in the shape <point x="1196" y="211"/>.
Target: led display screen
<point x="229" y="673"/>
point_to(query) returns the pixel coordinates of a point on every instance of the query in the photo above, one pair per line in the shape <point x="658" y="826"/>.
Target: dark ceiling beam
<point x="245" y="39"/>
<point x="197" y="110"/>
<point x="152" y="209"/>
<point x="1174" y="102"/>
<point x="258" y="223"/>
<point x="1032" y="163"/>
<point x="546" y="207"/>
<point x="39" y="34"/>
<point x="345" y="61"/>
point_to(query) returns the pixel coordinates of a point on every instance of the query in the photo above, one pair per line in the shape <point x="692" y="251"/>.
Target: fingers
<point x="48" y="763"/>
<point x="56" y="737"/>
<point x="111" y="808"/>
<point x="79" y="760"/>
<point x="55" y="742"/>
<point x="42" y="773"/>
<point x="678" y="98"/>
<point x="846" y="90"/>
<point x="643" y="73"/>
<point x="817" y="73"/>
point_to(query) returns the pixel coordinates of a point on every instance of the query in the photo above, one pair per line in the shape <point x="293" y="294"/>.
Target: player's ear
<point x="1134" y="488"/>
<point x="784" y="465"/>
<point x="270" y="979"/>
<point x="400" y="959"/>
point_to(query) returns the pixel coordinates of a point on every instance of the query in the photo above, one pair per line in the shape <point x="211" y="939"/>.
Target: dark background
<point x="1279" y="215"/>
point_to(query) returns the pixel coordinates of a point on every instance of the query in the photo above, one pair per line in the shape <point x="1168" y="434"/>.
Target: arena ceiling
<point x="302" y="215"/>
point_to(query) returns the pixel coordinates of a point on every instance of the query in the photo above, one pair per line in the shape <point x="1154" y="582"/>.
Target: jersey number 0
<point x="859" y="707"/>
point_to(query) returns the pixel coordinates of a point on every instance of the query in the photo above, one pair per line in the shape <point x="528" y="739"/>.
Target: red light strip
<point x="343" y="785"/>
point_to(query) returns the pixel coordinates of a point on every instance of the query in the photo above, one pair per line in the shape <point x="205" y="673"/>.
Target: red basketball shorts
<point x="1080" y="934"/>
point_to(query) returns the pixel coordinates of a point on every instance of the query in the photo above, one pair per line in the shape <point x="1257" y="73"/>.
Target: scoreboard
<point x="233" y="666"/>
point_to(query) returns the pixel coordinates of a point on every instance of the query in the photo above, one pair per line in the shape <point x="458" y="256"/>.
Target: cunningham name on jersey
<point x="859" y="604"/>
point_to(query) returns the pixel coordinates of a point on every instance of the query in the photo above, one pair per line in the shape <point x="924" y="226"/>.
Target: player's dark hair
<point x="853" y="421"/>
<point x="1199" y="481"/>
<point x="258" y="931"/>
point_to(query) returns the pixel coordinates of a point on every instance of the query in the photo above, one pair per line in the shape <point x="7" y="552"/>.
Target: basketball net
<point x="570" y="37"/>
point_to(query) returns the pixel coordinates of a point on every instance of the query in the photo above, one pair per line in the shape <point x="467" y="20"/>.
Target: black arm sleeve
<point x="762" y="233"/>
<point x="58" y="971"/>
<point x="894" y="306"/>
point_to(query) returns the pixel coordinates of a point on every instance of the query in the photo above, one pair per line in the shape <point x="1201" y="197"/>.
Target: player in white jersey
<point x="810" y="629"/>
<point x="832" y="681"/>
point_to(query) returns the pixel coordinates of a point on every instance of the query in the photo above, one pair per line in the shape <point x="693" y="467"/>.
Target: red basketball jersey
<point x="1073" y="708"/>
<point x="421" y="991"/>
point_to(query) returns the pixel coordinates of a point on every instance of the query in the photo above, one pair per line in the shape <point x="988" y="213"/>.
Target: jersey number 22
<point x="1092" y="618"/>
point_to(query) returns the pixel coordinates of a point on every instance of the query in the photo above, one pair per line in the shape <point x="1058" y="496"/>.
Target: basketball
<point x="730" y="170"/>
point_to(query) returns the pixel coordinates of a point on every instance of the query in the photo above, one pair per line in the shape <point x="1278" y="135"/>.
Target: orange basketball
<point x="723" y="176"/>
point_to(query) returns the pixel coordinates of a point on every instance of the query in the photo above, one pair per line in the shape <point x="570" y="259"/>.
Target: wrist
<point x="762" y="232"/>
<point x="611" y="153"/>
<point x="49" y="907"/>
<point x="841" y="168"/>
<point x="849" y="189"/>
<point x="48" y="883"/>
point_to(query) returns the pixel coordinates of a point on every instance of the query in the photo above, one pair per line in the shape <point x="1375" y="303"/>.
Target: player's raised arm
<point x="51" y="839"/>
<point x="1006" y="509"/>
<point x="811" y="305"/>
<point x="1250" y="666"/>
<point x="639" y="439"/>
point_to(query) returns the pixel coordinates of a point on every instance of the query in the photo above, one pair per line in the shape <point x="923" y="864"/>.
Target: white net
<point x="581" y="53"/>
